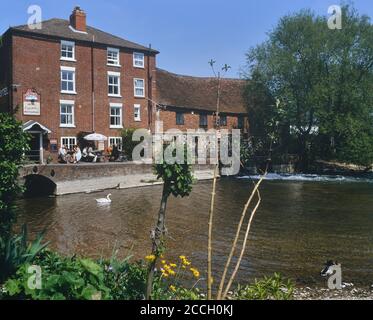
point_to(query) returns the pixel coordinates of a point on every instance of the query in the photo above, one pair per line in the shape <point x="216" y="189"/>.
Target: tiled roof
<point x="198" y="93"/>
<point x="61" y="28"/>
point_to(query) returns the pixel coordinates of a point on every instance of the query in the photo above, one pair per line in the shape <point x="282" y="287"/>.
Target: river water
<point x="299" y="225"/>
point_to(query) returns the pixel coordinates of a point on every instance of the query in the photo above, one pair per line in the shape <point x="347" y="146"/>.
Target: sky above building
<point x="188" y="33"/>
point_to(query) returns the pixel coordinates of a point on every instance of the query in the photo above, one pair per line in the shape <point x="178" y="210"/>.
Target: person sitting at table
<point x="114" y="156"/>
<point x="62" y="154"/>
<point x="88" y="155"/>
<point x="77" y="154"/>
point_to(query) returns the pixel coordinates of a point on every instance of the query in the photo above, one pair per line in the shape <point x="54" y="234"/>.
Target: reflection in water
<point x="298" y="227"/>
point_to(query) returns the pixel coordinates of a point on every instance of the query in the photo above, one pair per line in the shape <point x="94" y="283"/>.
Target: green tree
<point x="178" y="180"/>
<point x="322" y="81"/>
<point x="13" y="144"/>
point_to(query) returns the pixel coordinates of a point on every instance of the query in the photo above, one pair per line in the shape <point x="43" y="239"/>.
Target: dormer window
<point x="113" y="57"/>
<point x="67" y="50"/>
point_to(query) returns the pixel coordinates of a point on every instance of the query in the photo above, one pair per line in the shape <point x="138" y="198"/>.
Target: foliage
<point x="16" y="251"/>
<point x="168" y="284"/>
<point x="314" y="84"/>
<point x="269" y="288"/>
<point x="13" y="144"/>
<point x="72" y="278"/>
<point x="127" y="144"/>
<point x="178" y="177"/>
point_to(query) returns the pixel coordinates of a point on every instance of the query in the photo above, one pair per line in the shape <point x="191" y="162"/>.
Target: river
<point x="299" y="225"/>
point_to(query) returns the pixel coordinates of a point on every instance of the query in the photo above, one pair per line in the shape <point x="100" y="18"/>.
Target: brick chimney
<point x="78" y="20"/>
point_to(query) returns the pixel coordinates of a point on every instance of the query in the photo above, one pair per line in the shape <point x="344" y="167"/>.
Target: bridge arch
<point x="37" y="185"/>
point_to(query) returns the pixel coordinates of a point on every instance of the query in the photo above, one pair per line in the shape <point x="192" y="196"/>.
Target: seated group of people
<point x="69" y="155"/>
<point x="75" y="155"/>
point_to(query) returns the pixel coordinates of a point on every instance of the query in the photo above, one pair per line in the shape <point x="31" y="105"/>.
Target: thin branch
<point x="243" y="247"/>
<point x="234" y="245"/>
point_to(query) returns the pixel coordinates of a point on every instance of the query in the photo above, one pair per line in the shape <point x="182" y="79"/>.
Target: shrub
<point x="127" y="144"/>
<point x="269" y="288"/>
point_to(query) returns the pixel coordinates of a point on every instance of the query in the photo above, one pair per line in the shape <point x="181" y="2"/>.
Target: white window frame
<point x="69" y="145"/>
<point x="68" y="43"/>
<point x="116" y="62"/>
<point x="69" y="69"/>
<point x="113" y="74"/>
<point x="138" y="117"/>
<point x="134" y="88"/>
<point x="72" y="104"/>
<point x="116" y="140"/>
<point x="142" y="60"/>
<point x="120" y="107"/>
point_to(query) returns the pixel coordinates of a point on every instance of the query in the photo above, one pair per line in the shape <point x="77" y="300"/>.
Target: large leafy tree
<point x="316" y="82"/>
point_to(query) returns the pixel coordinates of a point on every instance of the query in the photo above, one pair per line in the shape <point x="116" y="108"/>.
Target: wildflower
<point x="182" y="257"/>
<point x="163" y="261"/>
<point x="171" y="272"/>
<point x="173" y="265"/>
<point x="172" y="288"/>
<point x="150" y="258"/>
<point x="195" y="272"/>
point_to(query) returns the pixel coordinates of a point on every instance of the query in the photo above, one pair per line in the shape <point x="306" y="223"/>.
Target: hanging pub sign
<point x="31" y="103"/>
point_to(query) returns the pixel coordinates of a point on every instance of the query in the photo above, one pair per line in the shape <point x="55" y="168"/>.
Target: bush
<point x="127" y="144"/>
<point x="269" y="288"/>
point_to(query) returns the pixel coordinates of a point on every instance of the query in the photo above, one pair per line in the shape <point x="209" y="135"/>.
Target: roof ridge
<point x="197" y="77"/>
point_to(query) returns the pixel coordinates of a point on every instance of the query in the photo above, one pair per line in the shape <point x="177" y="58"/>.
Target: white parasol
<point x="95" y="137"/>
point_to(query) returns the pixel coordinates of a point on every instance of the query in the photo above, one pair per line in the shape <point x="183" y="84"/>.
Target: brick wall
<point x="191" y="121"/>
<point x="37" y="65"/>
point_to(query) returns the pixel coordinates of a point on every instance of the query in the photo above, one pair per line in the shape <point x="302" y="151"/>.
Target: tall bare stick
<point x="243" y="246"/>
<point x="234" y="245"/>
<point x="216" y="172"/>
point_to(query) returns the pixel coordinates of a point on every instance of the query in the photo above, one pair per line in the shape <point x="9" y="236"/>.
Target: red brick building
<point x="186" y="102"/>
<point x="67" y="78"/>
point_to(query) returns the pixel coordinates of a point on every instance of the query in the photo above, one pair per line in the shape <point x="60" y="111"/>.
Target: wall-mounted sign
<point x="4" y="92"/>
<point x="53" y="145"/>
<point x="31" y="103"/>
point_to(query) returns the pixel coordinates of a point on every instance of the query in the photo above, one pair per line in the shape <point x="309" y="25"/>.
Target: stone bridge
<point x="59" y="179"/>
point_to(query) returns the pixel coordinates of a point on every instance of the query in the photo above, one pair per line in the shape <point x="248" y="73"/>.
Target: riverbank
<point x="350" y="292"/>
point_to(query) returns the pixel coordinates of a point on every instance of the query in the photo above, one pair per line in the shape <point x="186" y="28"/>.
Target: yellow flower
<point x="184" y="267"/>
<point x="163" y="261"/>
<point x="196" y="274"/>
<point x="182" y="257"/>
<point x="172" y="288"/>
<point x="171" y="272"/>
<point x="173" y="265"/>
<point x="150" y="258"/>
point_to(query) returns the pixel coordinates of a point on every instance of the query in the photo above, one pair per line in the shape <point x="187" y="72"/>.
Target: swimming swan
<point x="104" y="200"/>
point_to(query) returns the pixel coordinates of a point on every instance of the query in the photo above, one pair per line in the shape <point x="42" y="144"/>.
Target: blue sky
<point x="188" y="33"/>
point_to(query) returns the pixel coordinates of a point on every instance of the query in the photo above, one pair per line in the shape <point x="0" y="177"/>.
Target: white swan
<point x="104" y="200"/>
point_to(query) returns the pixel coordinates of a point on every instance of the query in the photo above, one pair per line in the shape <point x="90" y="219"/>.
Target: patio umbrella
<point x="95" y="137"/>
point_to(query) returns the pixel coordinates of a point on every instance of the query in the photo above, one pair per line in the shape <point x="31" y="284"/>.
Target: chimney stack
<point x="78" y="20"/>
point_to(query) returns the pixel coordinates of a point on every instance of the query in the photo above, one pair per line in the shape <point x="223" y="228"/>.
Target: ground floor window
<point x="203" y="120"/>
<point x="69" y="142"/>
<point x="116" y="141"/>
<point x="179" y="118"/>
<point x="240" y="122"/>
<point x="223" y="120"/>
